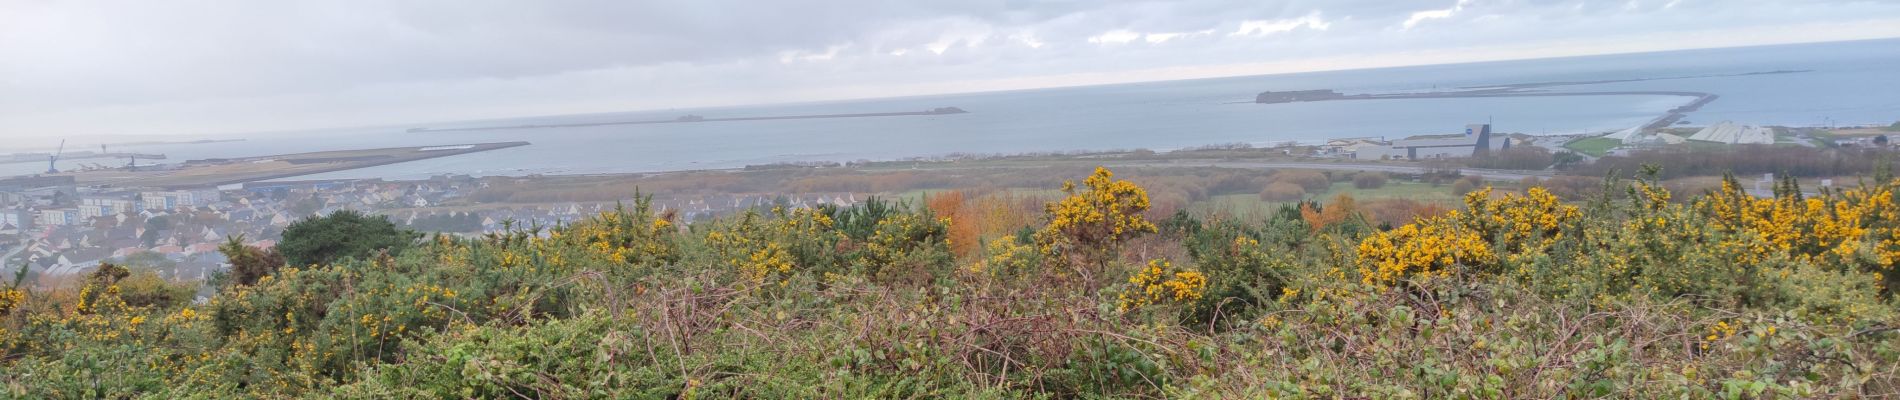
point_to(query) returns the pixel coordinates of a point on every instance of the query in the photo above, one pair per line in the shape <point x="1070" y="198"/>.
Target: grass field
<point x="917" y="196"/>
<point x="1595" y="147"/>
<point x="1250" y="205"/>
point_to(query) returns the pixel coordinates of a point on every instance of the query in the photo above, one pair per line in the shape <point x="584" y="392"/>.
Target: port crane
<point x="132" y="162"/>
<point x="52" y="162"/>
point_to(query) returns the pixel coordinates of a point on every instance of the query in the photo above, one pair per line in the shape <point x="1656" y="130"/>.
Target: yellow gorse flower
<point x="1091" y="224"/>
<point x="761" y="249"/>
<point x="1513" y="225"/>
<point x="1429" y="247"/>
<point x="10" y="299"/>
<point x="1833" y="225"/>
<point x="1161" y="282"/>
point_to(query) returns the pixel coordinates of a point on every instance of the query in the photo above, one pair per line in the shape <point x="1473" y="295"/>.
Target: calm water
<point x="1852" y="83"/>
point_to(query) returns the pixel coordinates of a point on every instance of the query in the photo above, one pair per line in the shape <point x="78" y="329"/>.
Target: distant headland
<point x="691" y="118"/>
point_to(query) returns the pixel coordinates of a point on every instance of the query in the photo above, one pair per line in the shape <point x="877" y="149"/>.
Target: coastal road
<point x="1498" y="175"/>
<point x="1487" y="174"/>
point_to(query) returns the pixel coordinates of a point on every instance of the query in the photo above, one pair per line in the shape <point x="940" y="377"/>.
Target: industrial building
<point x="1638" y="137"/>
<point x="1476" y="142"/>
<point x="1732" y="133"/>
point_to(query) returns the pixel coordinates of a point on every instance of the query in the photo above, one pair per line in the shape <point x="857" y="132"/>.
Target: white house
<point x="167" y="200"/>
<point x="100" y="206"/>
<point x="59" y="217"/>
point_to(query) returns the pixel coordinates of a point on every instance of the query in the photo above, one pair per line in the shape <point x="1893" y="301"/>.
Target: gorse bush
<point x="249" y="264"/>
<point x="1087" y="228"/>
<point x="1634" y="292"/>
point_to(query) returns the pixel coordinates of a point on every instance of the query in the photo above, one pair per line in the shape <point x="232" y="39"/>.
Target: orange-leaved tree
<point x="953" y="206"/>
<point x="1341" y="208"/>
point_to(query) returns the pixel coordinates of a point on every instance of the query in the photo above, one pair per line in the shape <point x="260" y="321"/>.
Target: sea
<point x="1847" y="83"/>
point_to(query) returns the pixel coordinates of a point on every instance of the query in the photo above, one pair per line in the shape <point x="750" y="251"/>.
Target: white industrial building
<point x="1638" y="137"/>
<point x="1350" y="146"/>
<point x="1732" y="133"/>
<point x="1476" y="142"/>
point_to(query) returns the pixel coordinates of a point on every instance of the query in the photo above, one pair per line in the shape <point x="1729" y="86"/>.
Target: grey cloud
<point x="167" y="66"/>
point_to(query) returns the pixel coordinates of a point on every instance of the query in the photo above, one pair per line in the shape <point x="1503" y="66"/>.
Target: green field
<point x="1250" y="205"/>
<point x="917" y="196"/>
<point x="1595" y="146"/>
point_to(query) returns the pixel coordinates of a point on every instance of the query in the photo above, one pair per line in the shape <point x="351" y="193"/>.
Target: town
<point x="51" y="227"/>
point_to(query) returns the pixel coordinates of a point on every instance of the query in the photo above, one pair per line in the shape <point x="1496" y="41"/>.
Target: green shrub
<point x="342" y="234"/>
<point x="1242" y="273"/>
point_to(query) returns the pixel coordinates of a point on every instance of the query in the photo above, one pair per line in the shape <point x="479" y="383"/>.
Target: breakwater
<point x="1668" y="118"/>
<point x="1527" y="90"/>
<point x="698" y="119"/>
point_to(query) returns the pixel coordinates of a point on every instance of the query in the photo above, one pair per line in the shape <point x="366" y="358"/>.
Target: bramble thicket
<point x="1636" y="292"/>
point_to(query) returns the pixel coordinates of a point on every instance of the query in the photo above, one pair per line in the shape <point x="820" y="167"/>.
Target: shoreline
<point x="476" y="148"/>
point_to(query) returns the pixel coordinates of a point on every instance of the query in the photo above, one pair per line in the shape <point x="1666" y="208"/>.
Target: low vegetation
<point x="1369" y="180"/>
<point x="1746" y="160"/>
<point x="1520" y="158"/>
<point x="1632" y="291"/>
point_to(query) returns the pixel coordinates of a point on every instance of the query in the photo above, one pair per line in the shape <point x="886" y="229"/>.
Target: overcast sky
<point x="137" y="67"/>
